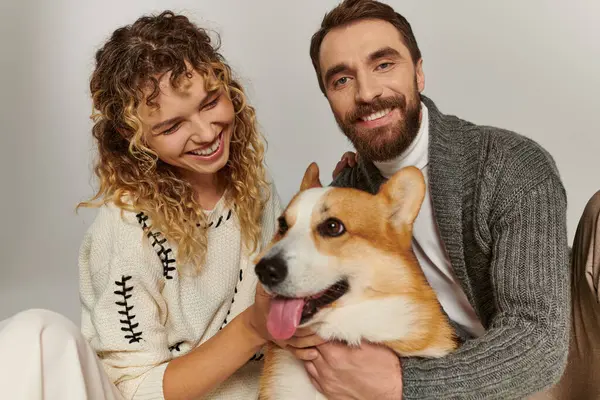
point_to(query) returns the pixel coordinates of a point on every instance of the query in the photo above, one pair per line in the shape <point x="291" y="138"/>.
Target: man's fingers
<point x="306" y="341"/>
<point x="348" y="159"/>
<point x="282" y="344"/>
<point x="310" y="368"/>
<point x="302" y="332"/>
<point x="313" y="375"/>
<point x="351" y="158"/>
<point x="308" y="354"/>
<point x="331" y="353"/>
<point x="338" y="168"/>
<point x="317" y="385"/>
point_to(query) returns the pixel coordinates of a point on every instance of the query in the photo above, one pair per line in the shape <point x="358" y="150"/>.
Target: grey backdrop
<point x="528" y="66"/>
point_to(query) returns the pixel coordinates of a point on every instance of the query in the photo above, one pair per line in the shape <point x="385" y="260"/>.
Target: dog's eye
<point x="283" y="226"/>
<point x="332" y="228"/>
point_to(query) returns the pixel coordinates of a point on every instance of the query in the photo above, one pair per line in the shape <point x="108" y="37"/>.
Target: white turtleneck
<point x="427" y="242"/>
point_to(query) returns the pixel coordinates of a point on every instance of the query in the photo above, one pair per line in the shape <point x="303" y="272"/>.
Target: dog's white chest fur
<point x="290" y="380"/>
<point x="368" y="320"/>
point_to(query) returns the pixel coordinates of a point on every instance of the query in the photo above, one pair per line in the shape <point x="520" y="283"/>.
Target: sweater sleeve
<point x="123" y="312"/>
<point x="525" y="347"/>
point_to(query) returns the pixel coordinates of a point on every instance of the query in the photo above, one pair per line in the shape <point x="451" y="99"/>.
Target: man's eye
<point x="384" y="65"/>
<point x="340" y="81"/>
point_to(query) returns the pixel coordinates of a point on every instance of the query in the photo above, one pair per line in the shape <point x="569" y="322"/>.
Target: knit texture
<point x="501" y="209"/>
<point x="139" y="311"/>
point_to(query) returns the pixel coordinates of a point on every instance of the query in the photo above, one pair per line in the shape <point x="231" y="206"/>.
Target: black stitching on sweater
<point x="235" y="291"/>
<point x="160" y="245"/>
<point x="129" y="326"/>
<point x="142" y="218"/>
<point x="220" y="221"/>
<point x="175" y="346"/>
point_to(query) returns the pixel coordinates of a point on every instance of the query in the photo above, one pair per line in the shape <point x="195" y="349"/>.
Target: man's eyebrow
<point x="384" y="52"/>
<point x="170" y="121"/>
<point x="336" y="69"/>
<point x="376" y="55"/>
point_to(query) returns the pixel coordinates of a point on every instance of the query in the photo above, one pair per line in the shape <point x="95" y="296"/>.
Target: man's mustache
<point x="364" y="109"/>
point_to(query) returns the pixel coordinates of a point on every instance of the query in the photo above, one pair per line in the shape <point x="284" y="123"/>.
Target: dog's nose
<point x="271" y="271"/>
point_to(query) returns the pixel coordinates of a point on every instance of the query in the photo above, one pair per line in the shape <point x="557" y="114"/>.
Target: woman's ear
<point x="123" y="132"/>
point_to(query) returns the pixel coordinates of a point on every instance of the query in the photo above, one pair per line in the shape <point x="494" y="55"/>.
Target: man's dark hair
<point x="354" y="10"/>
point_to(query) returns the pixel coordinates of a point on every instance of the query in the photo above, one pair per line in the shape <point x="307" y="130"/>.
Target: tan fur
<point x="377" y="250"/>
<point x="311" y="178"/>
<point x="268" y="371"/>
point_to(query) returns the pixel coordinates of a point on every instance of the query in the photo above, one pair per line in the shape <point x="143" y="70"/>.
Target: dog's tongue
<point x="284" y="317"/>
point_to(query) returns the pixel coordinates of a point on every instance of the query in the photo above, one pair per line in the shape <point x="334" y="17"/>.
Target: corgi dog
<point x="342" y="264"/>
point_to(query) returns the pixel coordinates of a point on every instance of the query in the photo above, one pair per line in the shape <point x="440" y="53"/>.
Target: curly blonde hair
<point x="130" y="174"/>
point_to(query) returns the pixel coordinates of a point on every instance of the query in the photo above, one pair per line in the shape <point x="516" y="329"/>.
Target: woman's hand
<point x="255" y="316"/>
<point x="302" y="345"/>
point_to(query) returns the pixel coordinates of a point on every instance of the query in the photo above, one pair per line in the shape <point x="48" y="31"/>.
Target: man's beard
<point x="386" y="142"/>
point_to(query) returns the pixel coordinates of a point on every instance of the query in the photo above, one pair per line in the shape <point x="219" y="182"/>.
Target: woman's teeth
<point x="209" y="150"/>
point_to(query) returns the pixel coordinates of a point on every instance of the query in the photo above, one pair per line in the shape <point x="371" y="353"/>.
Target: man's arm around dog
<point x="507" y="207"/>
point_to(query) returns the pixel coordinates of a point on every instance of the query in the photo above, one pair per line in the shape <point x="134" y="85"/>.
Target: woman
<point x="166" y="283"/>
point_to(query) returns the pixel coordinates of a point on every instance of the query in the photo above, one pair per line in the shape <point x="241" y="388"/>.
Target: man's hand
<point x="303" y="344"/>
<point x="369" y="372"/>
<point x="349" y="159"/>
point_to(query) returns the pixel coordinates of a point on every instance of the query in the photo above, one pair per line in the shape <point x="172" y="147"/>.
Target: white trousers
<point x="45" y="357"/>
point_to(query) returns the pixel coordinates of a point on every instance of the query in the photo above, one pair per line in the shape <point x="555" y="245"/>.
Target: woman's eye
<point x="212" y="104"/>
<point x="172" y="129"/>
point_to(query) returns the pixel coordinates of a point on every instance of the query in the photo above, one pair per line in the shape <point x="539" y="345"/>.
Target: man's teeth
<point x="377" y="115"/>
<point x="208" y="151"/>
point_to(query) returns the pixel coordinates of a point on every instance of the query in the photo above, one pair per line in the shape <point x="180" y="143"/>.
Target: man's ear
<point x="404" y="192"/>
<point x="420" y="75"/>
<point x="311" y="177"/>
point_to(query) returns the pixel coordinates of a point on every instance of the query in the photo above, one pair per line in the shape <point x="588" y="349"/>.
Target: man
<point x="491" y="235"/>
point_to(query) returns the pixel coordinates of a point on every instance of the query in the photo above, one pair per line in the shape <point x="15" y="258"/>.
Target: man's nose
<point x="271" y="271"/>
<point x="368" y="88"/>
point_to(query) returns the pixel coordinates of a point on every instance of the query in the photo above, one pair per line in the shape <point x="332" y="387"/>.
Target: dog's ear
<point x="404" y="192"/>
<point x="311" y="177"/>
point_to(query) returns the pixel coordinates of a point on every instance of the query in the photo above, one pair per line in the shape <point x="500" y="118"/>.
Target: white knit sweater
<point x="138" y="312"/>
